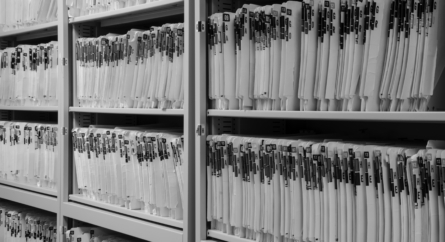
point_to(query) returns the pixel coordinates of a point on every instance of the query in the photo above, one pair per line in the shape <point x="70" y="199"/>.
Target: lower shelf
<point x="225" y="237"/>
<point x="30" y="198"/>
<point x="134" y="213"/>
<point x="123" y="224"/>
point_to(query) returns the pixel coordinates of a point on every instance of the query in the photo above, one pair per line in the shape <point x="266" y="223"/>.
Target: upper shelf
<point x="33" y="32"/>
<point x="437" y="117"/>
<point x="33" y="199"/>
<point x="162" y="8"/>
<point x="139" y="111"/>
<point x="20" y="108"/>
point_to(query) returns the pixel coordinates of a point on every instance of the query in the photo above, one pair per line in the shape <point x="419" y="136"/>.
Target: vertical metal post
<point x="201" y="116"/>
<point x="63" y="114"/>
<point x="189" y="122"/>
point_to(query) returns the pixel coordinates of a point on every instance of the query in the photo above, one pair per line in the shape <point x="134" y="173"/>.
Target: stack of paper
<point x="17" y="14"/>
<point x="141" y="69"/>
<point x="140" y="168"/>
<point x="95" y="234"/>
<point x="29" y="76"/>
<point x="311" y="189"/>
<point x="87" y="7"/>
<point x="28" y="153"/>
<point x="337" y="55"/>
<point x="21" y="223"/>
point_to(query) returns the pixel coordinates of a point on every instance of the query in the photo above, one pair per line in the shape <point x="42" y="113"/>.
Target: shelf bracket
<point x="62" y="230"/>
<point x="200" y="130"/>
<point x="64" y="131"/>
<point x="200" y="26"/>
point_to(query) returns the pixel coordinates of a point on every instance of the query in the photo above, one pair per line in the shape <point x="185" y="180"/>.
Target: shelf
<point x="36" y="109"/>
<point x="225" y="237"/>
<point x="33" y="32"/>
<point x="122" y="224"/>
<point x="162" y="8"/>
<point x="31" y="188"/>
<point x="29" y="198"/>
<point x="134" y="213"/>
<point x="171" y="112"/>
<point x="438" y="117"/>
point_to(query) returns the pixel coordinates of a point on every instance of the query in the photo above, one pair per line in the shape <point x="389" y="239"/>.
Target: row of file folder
<point x="307" y="188"/>
<point x="19" y="223"/>
<point x="29" y="75"/>
<point x="87" y="7"/>
<point x="29" y="153"/>
<point x="140" y="168"/>
<point x="320" y="55"/>
<point x="140" y="69"/>
<point x="95" y="234"/>
<point x="16" y="14"/>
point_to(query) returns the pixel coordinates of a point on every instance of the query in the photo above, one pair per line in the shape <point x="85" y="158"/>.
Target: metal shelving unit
<point x="132" y="222"/>
<point x="30" y="195"/>
<point x="71" y="207"/>
<point x="401" y="125"/>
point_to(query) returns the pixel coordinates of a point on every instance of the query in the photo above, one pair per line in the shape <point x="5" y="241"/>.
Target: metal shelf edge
<point x="28" y="198"/>
<point x="30" y="29"/>
<point x="126" y="11"/>
<point x="322" y="115"/>
<point x="30" y="188"/>
<point x="225" y="237"/>
<point x="134" y="213"/>
<point x="170" y="112"/>
<point x="34" y="109"/>
<point x="133" y="227"/>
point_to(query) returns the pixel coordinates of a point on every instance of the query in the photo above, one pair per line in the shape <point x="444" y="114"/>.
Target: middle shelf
<point x="322" y="115"/>
<point x="30" y="188"/>
<point x="33" y="109"/>
<point x="16" y="193"/>
<point x="172" y="112"/>
<point x="134" y="213"/>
